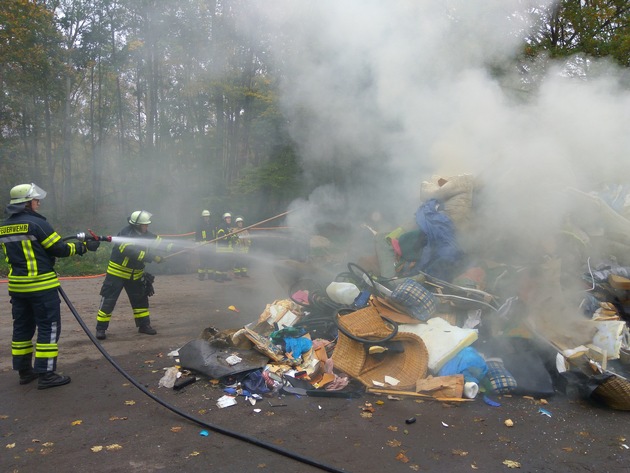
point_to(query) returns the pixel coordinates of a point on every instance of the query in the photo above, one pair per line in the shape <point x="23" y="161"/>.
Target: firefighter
<point x="31" y="245"/>
<point x="205" y="232"/>
<point x="224" y="247"/>
<point x="241" y="249"/>
<point x="125" y="270"/>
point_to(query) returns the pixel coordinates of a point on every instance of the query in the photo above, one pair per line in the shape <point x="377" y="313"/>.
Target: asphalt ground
<point x="102" y="422"/>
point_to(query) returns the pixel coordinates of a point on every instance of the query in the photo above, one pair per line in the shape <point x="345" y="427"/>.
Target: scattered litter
<point x="169" y="378"/>
<point x="174" y="353"/>
<point x="444" y="424"/>
<point x="392" y="381"/>
<point x="233" y="359"/>
<point x="233" y="308"/>
<point x="226" y="401"/>
<point x="544" y="412"/>
<point x="183" y="382"/>
<point x="511" y="464"/>
<point x="276" y="405"/>
<point x="411" y="420"/>
<point x="490" y="402"/>
<point x="257" y="410"/>
<point x="204" y="433"/>
<point x="509" y="423"/>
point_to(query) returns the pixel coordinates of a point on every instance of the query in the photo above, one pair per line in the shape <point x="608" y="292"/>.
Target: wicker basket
<point x="352" y="357"/>
<point x="614" y="391"/>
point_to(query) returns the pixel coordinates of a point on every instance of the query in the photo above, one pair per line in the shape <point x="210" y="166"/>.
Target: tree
<point x="31" y="81"/>
<point x="593" y="28"/>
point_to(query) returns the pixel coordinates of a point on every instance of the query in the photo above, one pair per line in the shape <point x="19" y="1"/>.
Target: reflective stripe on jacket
<point x="30" y="246"/>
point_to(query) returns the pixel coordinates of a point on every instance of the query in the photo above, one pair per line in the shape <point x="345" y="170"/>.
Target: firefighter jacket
<point x="129" y="256"/>
<point x="243" y="241"/>
<point x="30" y="246"/>
<point x="226" y="244"/>
<point x="205" y="231"/>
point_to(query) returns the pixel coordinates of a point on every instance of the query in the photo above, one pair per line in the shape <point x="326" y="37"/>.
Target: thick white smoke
<point x="400" y="91"/>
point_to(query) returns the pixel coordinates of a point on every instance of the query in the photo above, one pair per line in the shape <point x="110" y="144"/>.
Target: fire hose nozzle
<point x="91" y="236"/>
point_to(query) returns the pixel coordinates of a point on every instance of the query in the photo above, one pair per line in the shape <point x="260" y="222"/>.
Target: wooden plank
<point x="393" y="392"/>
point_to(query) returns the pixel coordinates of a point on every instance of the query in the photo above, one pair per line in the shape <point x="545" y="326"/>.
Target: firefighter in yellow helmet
<point x="224" y="248"/>
<point x="205" y="232"/>
<point x="241" y="249"/>
<point x="134" y="246"/>
<point x="30" y="246"/>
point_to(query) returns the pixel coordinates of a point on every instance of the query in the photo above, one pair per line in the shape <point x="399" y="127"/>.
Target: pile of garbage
<point x="419" y="323"/>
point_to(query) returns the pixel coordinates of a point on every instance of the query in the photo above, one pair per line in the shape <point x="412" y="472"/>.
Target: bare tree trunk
<point x="66" y="154"/>
<point x="93" y="150"/>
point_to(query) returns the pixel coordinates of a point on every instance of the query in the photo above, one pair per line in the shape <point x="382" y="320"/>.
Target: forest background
<point x="174" y="106"/>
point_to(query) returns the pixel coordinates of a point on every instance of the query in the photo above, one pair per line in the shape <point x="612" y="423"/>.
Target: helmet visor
<point x="36" y="192"/>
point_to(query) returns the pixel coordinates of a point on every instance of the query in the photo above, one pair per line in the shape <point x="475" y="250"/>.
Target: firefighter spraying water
<point x="31" y="245"/>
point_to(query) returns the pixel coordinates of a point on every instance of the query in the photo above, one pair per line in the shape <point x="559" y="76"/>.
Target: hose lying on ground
<point x="215" y="428"/>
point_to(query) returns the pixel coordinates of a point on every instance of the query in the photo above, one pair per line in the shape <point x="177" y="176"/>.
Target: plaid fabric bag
<point x="501" y="380"/>
<point x="412" y="295"/>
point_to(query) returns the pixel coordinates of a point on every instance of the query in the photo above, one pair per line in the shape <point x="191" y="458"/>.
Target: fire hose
<point x="213" y="427"/>
<point x="235" y="232"/>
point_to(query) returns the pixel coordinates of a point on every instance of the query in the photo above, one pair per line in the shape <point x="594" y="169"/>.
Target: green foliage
<point x="597" y="28"/>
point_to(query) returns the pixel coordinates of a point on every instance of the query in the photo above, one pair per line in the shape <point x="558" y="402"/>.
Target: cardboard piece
<point x="442" y="386"/>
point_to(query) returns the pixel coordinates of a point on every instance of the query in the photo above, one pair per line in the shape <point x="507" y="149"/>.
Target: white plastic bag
<point x="342" y="292"/>
<point x="169" y="378"/>
<point x="609" y="337"/>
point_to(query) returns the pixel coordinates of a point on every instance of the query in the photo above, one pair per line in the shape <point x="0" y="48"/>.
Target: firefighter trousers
<point x="139" y="300"/>
<point x="33" y="311"/>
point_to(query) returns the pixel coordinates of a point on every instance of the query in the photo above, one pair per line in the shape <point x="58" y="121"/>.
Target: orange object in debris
<point x="619" y="282"/>
<point x="233" y="308"/>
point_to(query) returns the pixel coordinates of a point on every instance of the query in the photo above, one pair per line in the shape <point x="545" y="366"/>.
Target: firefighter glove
<point x="80" y="248"/>
<point x="92" y="245"/>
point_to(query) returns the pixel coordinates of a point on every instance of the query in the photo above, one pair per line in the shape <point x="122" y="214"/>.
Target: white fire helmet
<point x="140" y="217"/>
<point x="205" y="213"/>
<point x="227" y="215"/>
<point x="239" y="219"/>
<point x="26" y="193"/>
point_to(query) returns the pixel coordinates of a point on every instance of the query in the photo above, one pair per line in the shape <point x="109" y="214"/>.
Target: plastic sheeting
<point x="203" y="357"/>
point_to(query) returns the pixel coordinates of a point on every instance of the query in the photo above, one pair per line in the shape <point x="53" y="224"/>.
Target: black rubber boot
<point x="201" y="276"/>
<point x="27" y="376"/>
<point x="50" y="379"/>
<point x="100" y="334"/>
<point x="147" y="329"/>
